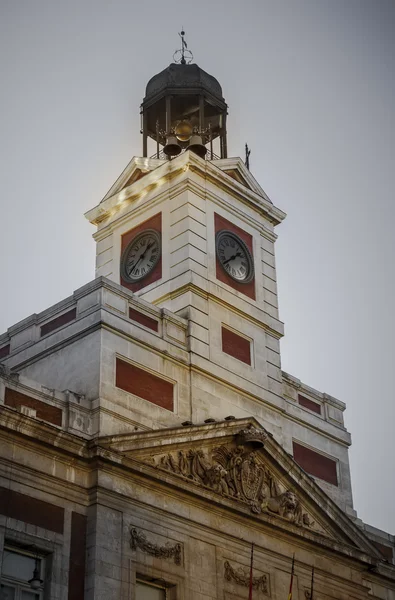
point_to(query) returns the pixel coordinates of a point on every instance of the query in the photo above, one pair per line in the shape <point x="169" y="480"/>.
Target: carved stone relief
<point x="139" y="540"/>
<point x="252" y="435"/>
<point x="242" y="577"/>
<point x="236" y="472"/>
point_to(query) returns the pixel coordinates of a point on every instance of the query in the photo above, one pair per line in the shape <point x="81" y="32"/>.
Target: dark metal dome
<point x="188" y="77"/>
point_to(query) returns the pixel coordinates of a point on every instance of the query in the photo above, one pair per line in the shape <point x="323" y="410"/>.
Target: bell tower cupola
<point x="184" y="108"/>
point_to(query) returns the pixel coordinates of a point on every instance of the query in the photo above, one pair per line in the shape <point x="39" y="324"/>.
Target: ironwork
<point x="183" y="56"/>
<point x="163" y="156"/>
<point x="247" y="160"/>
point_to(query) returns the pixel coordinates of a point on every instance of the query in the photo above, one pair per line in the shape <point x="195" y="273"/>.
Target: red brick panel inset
<point x="4" y="351"/>
<point x="309" y="404"/>
<point x="385" y="550"/>
<point x="141" y="383"/>
<point x="315" y="464"/>
<point x="58" y="322"/>
<point x="30" y="510"/>
<point x="155" y="223"/>
<point x="143" y="319"/>
<point x="236" y="345"/>
<point x="44" y="411"/>
<point x="77" y="557"/>
<point x="245" y="288"/>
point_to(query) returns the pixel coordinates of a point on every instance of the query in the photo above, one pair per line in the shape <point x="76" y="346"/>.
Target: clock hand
<point x="141" y="257"/>
<point x="231" y="258"/>
<point x="135" y="265"/>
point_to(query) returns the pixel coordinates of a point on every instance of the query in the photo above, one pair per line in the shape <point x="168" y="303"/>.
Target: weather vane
<point x="183" y="56"/>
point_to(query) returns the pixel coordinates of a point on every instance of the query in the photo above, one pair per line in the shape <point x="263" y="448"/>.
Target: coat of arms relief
<point x="236" y="471"/>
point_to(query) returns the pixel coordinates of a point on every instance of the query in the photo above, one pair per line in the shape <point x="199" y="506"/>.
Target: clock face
<point x="234" y="256"/>
<point x="141" y="256"/>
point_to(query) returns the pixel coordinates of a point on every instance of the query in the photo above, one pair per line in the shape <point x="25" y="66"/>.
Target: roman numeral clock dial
<point x="234" y="256"/>
<point x="141" y="256"/>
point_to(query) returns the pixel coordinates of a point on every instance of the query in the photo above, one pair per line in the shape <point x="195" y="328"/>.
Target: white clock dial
<point x="234" y="256"/>
<point x="141" y="256"/>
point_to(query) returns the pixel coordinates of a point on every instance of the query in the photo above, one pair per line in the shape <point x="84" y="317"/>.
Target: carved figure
<point x="237" y="473"/>
<point x="199" y="465"/>
<point x="215" y="478"/>
<point x="183" y="464"/>
<point x="231" y="461"/>
<point x="286" y="505"/>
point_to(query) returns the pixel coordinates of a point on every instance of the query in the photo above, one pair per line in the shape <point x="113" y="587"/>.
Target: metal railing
<point x="163" y="156"/>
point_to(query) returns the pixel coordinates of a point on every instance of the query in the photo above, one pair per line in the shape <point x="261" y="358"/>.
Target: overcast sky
<point x="310" y="86"/>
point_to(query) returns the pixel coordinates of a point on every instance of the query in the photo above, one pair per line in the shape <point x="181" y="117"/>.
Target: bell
<point x="183" y="131"/>
<point x="196" y="145"/>
<point x="172" y="147"/>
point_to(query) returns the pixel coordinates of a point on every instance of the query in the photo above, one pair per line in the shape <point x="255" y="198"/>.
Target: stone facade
<point x="141" y="443"/>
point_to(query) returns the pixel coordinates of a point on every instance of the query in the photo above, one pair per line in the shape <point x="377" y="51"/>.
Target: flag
<point x="312" y="584"/>
<point x="292" y="578"/>
<point x="251" y="565"/>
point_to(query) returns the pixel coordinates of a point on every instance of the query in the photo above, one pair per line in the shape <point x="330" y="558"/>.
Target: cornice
<point x="234" y="188"/>
<point x="98" y="455"/>
<point x="41" y="433"/>
<point x="306" y="487"/>
<point x="242" y="547"/>
<point x="171" y="169"/>
<point x="191" y="287"/>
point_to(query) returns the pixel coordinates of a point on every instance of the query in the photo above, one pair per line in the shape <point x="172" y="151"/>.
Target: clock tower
<point x="190" y="230"/>
<point x="149" y="433"/>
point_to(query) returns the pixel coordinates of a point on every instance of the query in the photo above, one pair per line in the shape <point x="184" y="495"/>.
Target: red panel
<point x="30" y="510"/>
<point x="77" y="557"/>
<point x="315" y="464"/>
<point x="385" y="550"/>
<point x="144" y="384"/>
<point x="245" y="288"/>
<point x="153" y="223"/>
<point x="4" y="351"/>
<point x="139" y="317"/>
<point x="309" y="404"/>
<point x="58" y="322"/>
<point x="236" y="345"/>
<point x="46" y="412"/>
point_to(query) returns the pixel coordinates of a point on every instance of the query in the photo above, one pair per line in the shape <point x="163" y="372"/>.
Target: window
<point x="145" y="591"/>
<point x="17" y="569"/>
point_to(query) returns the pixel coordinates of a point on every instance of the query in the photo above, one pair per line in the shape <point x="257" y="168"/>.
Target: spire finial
<point x="183" y="56"/>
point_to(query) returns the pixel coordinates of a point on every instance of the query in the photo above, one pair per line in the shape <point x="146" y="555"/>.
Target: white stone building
<point x="148" y="433"/>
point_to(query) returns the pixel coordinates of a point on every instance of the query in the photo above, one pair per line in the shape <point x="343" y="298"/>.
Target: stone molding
<point x="138" y="540"/>
<point x="242" y="577"/>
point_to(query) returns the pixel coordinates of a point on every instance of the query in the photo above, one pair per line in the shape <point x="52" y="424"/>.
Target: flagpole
<point x="292" y="578"/>
<point x="251" y="565"/>
<point x="312" y="584"/>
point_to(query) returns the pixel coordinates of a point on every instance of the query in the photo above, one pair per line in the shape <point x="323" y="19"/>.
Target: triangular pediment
<point x="145" y="175"/>
<point x="135" y="170"/>
<point x="140" y="166"/>
<point x="240" y="466"/>
<point x="236" y="169"/>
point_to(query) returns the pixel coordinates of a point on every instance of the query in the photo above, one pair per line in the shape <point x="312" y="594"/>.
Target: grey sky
<point x="311" y="87"/>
